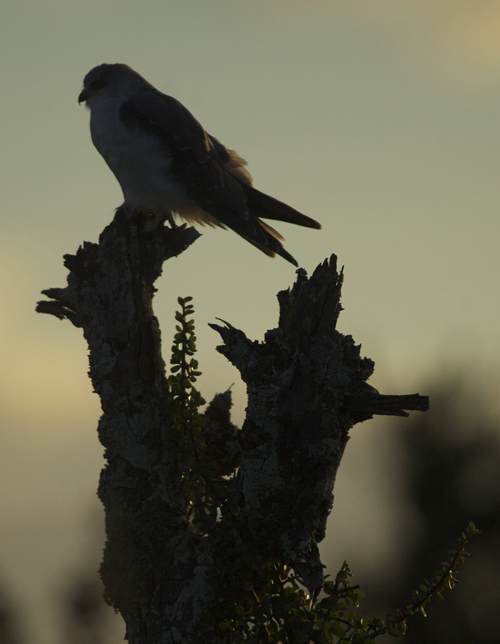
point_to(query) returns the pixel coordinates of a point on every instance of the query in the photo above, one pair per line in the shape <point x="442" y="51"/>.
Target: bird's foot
<point x="154" y="221"/>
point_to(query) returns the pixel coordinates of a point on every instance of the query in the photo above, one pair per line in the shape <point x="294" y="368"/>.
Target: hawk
<point x="166" y="164"/>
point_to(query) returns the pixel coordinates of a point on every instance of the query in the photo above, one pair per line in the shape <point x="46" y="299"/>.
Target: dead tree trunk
<point x="306" y="389"/>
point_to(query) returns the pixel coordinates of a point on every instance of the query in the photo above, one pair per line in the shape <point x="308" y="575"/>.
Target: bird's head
<point x="106" y="81"/>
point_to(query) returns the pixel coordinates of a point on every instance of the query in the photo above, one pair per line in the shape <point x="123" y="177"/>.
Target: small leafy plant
<point x="203" y="485"/>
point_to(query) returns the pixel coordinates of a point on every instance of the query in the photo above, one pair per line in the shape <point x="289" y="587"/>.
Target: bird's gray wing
<point x="195" y="162"/>
<point x="198" y="163"/>
<point x="258" y="202"/>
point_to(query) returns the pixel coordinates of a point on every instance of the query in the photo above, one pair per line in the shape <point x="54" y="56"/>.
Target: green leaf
<point x="337" y="629"/>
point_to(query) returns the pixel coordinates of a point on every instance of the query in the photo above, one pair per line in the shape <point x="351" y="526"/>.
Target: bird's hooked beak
<point x="84" y="95"/>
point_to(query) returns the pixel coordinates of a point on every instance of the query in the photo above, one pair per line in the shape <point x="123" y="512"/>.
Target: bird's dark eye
<point x="98" y="84"/>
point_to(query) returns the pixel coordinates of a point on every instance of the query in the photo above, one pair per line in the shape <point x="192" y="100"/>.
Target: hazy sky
<point x="378" y="118"/>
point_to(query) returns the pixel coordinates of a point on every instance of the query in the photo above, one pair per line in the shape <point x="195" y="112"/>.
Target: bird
<point x="167" y="164"/>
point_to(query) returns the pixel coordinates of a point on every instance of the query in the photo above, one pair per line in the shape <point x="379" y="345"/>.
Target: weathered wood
<point x="306" y="389"/>
<point x="306" y="386"/>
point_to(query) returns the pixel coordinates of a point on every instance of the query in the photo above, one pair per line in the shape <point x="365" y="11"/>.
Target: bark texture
<point x="306" y="389"/>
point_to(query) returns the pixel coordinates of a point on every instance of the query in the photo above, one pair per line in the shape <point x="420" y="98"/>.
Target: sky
<point x="378" y="118"/>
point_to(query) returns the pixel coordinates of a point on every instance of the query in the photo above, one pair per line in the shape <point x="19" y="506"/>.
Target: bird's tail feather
<point x="269" y="229"/>
<point x="267" y="207"/>
<point x="268" y="240"/>
<point x="276" y="249"/>
<point x="250" y="227"/>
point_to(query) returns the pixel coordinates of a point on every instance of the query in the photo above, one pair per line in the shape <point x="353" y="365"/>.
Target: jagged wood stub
<point x="306" y="388"/>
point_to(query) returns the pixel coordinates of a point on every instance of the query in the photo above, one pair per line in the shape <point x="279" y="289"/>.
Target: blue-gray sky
<point x="378" y="118"/>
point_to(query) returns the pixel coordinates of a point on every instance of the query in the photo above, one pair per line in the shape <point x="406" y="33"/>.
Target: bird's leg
<point x="170" y="219"/>
<point x="156" y="219"/>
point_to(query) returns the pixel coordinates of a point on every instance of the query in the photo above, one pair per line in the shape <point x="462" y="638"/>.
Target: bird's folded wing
<point x="195" y="163"/>
<point x="198" y="162"/>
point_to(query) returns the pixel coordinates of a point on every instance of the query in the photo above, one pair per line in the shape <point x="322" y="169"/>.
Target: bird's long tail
<point x="267" y="207"/>
<point x="268" y="241"/>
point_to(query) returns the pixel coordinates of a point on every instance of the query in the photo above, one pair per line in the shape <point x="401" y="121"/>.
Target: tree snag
<point x="306" y="383"/>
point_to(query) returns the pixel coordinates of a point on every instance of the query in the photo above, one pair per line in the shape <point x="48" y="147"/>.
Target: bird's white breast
<point x="137" y="159"/>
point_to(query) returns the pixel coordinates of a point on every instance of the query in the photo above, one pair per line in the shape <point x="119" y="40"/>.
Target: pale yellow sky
<point x="378" y="118"/>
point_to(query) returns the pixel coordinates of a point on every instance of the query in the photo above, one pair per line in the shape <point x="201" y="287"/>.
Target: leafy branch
<point x="185" y="399"/>
<point x="281" y="612"/>
<point x="444" y="577"/>
<point x="200" y="468"/>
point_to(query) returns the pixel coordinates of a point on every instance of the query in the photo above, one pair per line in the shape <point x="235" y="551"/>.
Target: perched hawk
<point x="167" y="164"/>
